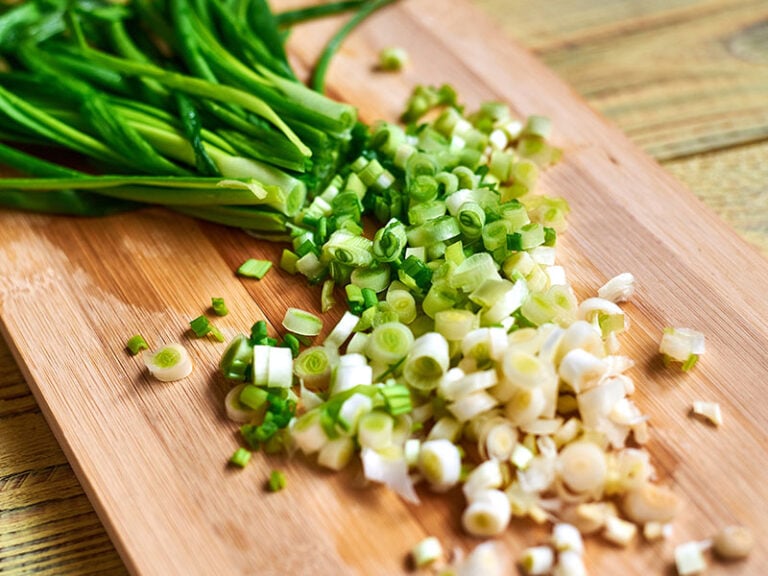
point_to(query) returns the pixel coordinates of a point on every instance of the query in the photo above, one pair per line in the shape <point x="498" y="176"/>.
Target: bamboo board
<point x="151" y="457"/>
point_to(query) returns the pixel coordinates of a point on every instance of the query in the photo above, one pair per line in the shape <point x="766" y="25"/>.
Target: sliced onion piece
<point x="168" y="363"/>
<point x="582" y="466"/>
<point x="472" y="405"/>
<point x="427" y="361"/>
<point x="581" y="370"/>
<point x="236" y="411"/>
<point x="440" y="464"/>
<point x="390" y="468"/>
<point x="389" y="343"/>
<point x="488" y="513"/>
<point x="465" y="384"/>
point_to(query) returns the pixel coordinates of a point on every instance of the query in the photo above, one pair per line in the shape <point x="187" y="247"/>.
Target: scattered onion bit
<point x="277" y="481"/>
<point x="733" y="542"/>
<point x="168" y="363"/>
<point x="709" y="411"/>
<point x="427" y="552"/>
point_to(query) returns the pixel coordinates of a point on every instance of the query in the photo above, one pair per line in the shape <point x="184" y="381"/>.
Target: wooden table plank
<point x="587" y="32"/>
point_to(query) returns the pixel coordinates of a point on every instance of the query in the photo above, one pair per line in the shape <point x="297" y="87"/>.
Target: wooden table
<point x="686" y="80"/>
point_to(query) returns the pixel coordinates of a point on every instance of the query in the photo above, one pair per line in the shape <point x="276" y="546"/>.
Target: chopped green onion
<point x="314" y="365"/>
<point x="527" y="237"/>
<point x="235" y="409"/>
<point x="240" y="458"/>
<point x="219" y="306"/>
<point x="292" y="343"/>
<point x="355" y="299"/>
<point x="136" y="344"/>
<point x="253" y="397"/>
<point x="349" y="248"/>
<point x="375" y="278"/>
<point x="237" y="358"/>
<point x="415" y="270"/>
<point x="389" y="343"/>
<point x="471" y="273"/>
<point x="326" y="295"/>
<point x="343" y="329"/>
<point x="259" y="332"/>
<point x="280" y="367"/>
<point x="336" y="454"/>
<point x="253" y="268"/>
<point x="169" y="363"/>
<point x="440" y="464"/>
<point x="277" y="481"/>
<point x="392" y="59"/>
<point x="288" y="261"/>
<point x="682" y="345"/>
<point x="427" y="361"/>
<point x="488" y="514"/>
<point x="369" y="298"/>
<point x="404" y="305"/>
<point x="427" y="552"/>
<point x="201" y="326"/>
<point x="302" y="322"/>
<point x="397" y="399"/>
<point x="375" y="430"/>
<point x="471" y="218"/>
<point x="536" y="125"/>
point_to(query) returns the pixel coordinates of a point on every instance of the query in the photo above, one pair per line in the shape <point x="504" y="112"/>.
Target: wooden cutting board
<point x="152" y="456"/>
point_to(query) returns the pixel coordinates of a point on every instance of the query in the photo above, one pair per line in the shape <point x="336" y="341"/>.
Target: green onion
<point x="313" y="366"/>
<point x="253" y="397"/>
<point x="415" y="272"/>
<point x="288" y="261"/>
<point x="388" y="343"/>
<point x="375" y="430"/>
<point x="427" y="361"/>
<point x="136" y="344"/>
<point x="454" y="325"/>
<point x="349" y="248"/>
<point x="292" y="343"/>
<point x="277" y="481"/>
<point x="389" y="241"/>
<point x="375" y="278"/>
<point x="397" y="399"/>
<point x="473" y="271"/>
<point x="327" y="299"/>
<point x="169" y="363"/>
<point x="527" y="237"/>
<point x="403" y="303"/>
<point x="259" y="332"/>
<point x="219" y="306"/>
<point x="471" y="219"/>
<point x="201" y="326"/>
<point x="237" y="358"/>
<point x="240" y="458"/>
<point x="370" y="299"/>
<point x="302" y="322"/>
<point x="392" y="59"/>
<point x="253" y="268"/>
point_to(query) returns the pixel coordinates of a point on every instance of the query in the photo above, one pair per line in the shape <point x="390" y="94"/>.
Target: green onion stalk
<point x="189" y="104"/>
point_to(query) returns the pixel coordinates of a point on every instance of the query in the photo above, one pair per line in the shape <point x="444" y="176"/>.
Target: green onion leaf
<point x="136" y="344"/>
<point x="253" y="268"/>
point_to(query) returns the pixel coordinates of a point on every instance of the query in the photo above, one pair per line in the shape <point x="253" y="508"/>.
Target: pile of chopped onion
<point x="465" y="357"/>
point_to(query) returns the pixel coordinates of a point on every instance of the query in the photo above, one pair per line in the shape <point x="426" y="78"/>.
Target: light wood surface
<point x="150" y="457"/>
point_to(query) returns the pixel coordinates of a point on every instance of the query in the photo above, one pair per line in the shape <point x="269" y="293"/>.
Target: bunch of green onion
<point x="190" y="104"/>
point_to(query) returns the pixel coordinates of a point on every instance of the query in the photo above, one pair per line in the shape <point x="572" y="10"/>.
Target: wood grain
<point x="131" y="271"/>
